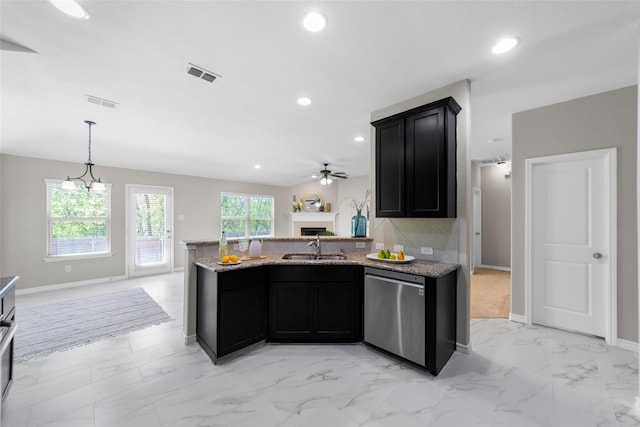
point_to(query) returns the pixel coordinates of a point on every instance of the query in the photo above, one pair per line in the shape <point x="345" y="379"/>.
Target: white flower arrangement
<point x="297" y="205"/>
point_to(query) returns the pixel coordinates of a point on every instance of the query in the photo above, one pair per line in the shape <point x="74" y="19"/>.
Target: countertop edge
<point x="433" y="269"/>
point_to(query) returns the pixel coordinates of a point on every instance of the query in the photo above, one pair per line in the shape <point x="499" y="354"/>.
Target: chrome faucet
<point x="316" y="243"/>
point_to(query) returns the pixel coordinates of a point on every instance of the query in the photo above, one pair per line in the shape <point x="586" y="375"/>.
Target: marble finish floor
<point x="516" y="376"/>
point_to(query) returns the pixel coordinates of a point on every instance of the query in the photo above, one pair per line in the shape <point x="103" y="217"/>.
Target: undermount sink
<point x="314" y="256"/>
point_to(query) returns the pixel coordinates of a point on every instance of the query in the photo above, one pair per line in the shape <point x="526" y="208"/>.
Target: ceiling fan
<point x="326" y="174"/>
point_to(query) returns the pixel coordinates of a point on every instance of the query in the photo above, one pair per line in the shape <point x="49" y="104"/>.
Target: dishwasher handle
<point x="395" y="282"/>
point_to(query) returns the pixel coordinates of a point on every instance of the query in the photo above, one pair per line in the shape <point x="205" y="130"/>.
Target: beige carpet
<point x="490" y="293"/>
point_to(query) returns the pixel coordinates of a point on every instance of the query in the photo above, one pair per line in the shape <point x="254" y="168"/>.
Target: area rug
<point x="53" y="327"/>
<point x="490" y="293"/>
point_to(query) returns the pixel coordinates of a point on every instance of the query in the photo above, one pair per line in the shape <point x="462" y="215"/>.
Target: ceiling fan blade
<point x="338" y="176"/>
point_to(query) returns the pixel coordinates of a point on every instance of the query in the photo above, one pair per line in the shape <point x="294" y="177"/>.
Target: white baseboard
<point x="175" y="270"/>
<point x="188" y="340"/>
<point x="462" y="348"/>
<point x="517" y="318"/>
<point x="627" y="345"/>
<point x="495" y="267"/>
<point x="68" y="285"/>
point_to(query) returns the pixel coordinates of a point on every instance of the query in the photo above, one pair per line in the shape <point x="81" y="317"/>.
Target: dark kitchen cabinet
<point x="231" y="309"/>
<point x="416" y="162"/>
<point x="315" y="303"/>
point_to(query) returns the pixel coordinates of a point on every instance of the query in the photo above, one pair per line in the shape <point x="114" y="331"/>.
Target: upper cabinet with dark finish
<point x="416" y="162"/>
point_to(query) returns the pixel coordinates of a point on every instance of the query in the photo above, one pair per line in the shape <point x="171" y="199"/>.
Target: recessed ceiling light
<point x="505" y="45"/>
<point x="71" y="8"/>
<point x="314" y="21"/>
<point x="257" y="166"/>
<point x="358" y="139"/>
<point x="304" y="100"/>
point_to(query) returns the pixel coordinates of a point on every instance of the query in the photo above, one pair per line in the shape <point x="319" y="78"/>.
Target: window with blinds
<point x="79" y="222"/>
<point x="245" y="215"/>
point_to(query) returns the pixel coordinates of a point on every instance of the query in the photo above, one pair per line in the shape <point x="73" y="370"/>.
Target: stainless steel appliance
<point x="394" y="313"/>
<point x="8" y="329"/>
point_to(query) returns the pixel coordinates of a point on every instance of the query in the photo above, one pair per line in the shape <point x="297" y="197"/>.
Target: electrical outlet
<point x="67" y="268"/>
<point x="398" y="248"/>
<point x="379" y="246"/>
<point x="360" y="245"/>
<point x="426" y="250"/>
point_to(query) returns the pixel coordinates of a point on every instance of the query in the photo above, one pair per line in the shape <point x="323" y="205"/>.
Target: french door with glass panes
<point x="149" y="225"/>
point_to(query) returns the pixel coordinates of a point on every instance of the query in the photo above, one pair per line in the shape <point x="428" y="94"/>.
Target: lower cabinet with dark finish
<point x="315" y="303"/>
<point x="231" y="309"/>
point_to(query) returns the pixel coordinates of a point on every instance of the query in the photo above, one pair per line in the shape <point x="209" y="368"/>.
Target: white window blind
<point x="150" y="244"/>
<point x="79" y="222"/>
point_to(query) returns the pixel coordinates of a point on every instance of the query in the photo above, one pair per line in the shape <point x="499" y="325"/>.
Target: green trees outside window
<point x="246" y="215"/>
<point x="79" y="221"/>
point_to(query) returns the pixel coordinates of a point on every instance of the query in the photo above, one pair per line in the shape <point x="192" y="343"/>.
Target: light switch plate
<point x="379" y="246"/>
<point x="360" y="245"/>
<point x="426" y="250"/>
<point x="398" y="248"/>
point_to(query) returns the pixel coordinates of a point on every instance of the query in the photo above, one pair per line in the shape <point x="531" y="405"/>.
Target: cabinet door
<point x="390" y="169"/>
<point x="290" y="311"/>
<point x="242" y="309"/>
<point x="426" y="169"/>
<point x="338" y="308"/>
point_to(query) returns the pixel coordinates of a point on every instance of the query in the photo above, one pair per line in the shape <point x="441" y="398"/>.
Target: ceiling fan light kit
<point x="326" y="174"/>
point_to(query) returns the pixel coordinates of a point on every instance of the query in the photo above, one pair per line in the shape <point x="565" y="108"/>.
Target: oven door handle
<point x="6" y="340"/>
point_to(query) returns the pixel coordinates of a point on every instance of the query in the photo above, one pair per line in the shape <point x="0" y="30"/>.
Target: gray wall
<point x="496" y="217"/>
<point x="23" y="213"/>
<point x="353" y="187"/>
<point x="599" y="121"/>
<point x="450" y="238"/>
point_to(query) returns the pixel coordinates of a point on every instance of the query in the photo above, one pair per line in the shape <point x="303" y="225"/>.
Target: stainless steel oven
<point x="8" y="328"/>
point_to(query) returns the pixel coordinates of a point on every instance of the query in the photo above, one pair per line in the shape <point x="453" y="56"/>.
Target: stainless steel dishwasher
<point x="394" y="313"/>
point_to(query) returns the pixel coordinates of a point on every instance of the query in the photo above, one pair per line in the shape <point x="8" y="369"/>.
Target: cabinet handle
<point x="597" y="255"/>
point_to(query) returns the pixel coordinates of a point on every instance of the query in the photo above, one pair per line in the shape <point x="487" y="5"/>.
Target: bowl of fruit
<point x="385" y="255"/>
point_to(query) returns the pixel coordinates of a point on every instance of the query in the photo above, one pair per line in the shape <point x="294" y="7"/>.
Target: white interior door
<point x="571" y="215"/>
<point x="149" y="225"/>
<point x="477" y="228"/>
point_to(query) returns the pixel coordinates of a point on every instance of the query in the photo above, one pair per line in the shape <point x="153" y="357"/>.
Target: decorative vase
<point x="358" y="225"/>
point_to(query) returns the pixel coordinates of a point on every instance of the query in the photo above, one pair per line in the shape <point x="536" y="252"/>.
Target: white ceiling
<point x="371" y="55"/>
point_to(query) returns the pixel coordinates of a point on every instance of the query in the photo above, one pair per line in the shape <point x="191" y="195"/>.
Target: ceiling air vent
<point x="100" y="101"/>
<point x="492" y="160"/>
<point x="201" y="73"/>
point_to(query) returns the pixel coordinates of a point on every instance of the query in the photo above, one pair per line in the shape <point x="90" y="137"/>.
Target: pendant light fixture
<point x="95" y="184"/>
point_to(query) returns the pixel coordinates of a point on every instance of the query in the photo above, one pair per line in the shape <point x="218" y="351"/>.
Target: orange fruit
<point x="234" y="258"/>
<point x="226" y="259"/>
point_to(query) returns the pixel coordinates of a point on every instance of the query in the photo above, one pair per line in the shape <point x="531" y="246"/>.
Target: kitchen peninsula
<point x="230" y="307"/>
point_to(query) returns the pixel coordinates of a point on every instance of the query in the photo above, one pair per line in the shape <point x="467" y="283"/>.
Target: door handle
<point x="597" y="255"/>
<point x="477" y="234"/>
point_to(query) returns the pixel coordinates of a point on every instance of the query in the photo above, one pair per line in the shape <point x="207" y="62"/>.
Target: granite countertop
<point x="283" y="239"/>
<point x="418" y="267"/>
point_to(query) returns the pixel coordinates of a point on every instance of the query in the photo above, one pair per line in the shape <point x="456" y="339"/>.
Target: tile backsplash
<point x="441" y="234"/>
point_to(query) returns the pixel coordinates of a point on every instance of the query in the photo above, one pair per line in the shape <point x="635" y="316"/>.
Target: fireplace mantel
<point x="316" y="217"/>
